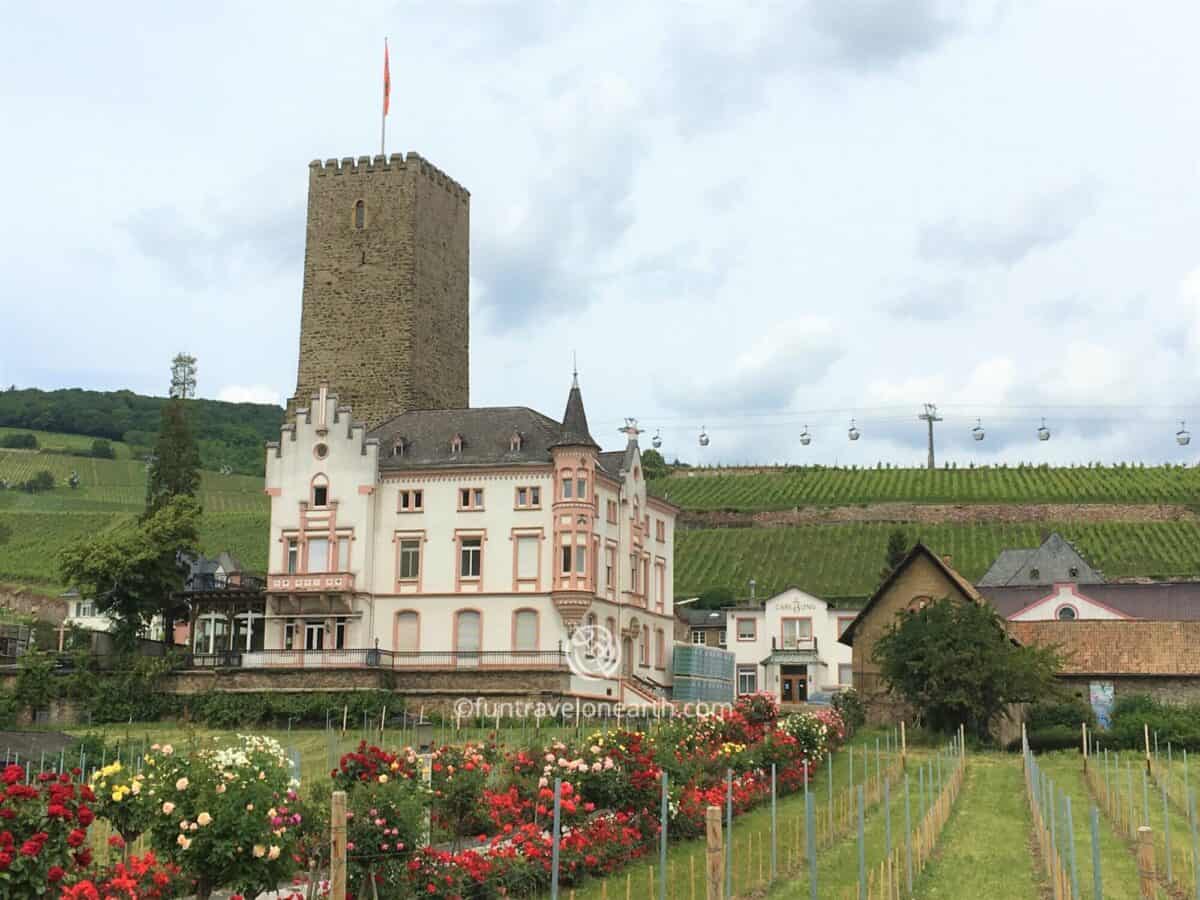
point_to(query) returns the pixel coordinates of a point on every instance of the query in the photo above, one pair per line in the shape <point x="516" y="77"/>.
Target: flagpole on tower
<point x="387" y="91"/>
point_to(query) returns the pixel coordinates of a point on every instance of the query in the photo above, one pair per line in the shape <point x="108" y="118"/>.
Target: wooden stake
<point x="628" y="886"/>
<point x="714" y="855"/>
<point x="337" y="856"/>
<point x="692" y="876"/>
<point x="1083" y="729"/>
<point x="1146" y="731"/>
<point x="1145" y="859"/>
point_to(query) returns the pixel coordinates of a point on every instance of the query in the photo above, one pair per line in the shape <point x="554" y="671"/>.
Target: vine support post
<point x="337" y="856"/>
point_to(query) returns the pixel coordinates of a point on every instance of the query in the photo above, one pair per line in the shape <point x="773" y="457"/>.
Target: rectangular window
<point x="289" y="636"/>
<point x="634" y="569"/>
<point x="645" y="645"/>
<point x="747" y="629"/>
<point x="721" y="639"/>
<point x="580" y="559"/>
<point x="528" y="498"/>
<point x="293" y="556"/>
<point x="320" y="495"/>
<point x="527" y="558"/>
<point x="610" y="561"/>
<point x="660" y="530"/>
<point x="797" y="633"/>
<point x="410" y="559"/>
<point x="470" y="557"/>
<point x="697" y="637"/>
<point x="747" y="679"/>
<point x="566" y="488"/>
<point x="470" y="498"/>
<point x="318" y="554"/>
<point x="660" y="649"/>
<point x="408" y="634"/>
<point x="566" y="560"/>
<point x="343" y="560"/>
<point x="339" y="634"/>
<point x="845" y="673"/>
<point x="412" y="500"/>
<point x="581" y="488"/>
<point x="660" y="588"/>
<point x="525" y="631"/>
<point x="612" y="512"/>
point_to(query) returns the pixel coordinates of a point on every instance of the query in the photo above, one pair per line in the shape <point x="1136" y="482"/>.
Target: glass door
<point x="314" y="635"/>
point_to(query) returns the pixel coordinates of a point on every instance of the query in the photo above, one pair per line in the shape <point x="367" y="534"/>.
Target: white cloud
<point x="250" y="393"/>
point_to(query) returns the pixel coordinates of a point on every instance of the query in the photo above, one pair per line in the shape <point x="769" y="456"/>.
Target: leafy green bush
<point x="102" y="449"/>
<point x="1177" y="724"/>
<point x="1067" y="713"/>
<point x="849" y="705"/>
<point x="1053" y="737"/>
<point x="42" y="481"/>
<point x="19" y="442"/>
<point x="218" y="709"/>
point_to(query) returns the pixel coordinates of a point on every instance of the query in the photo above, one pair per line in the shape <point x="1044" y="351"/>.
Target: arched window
<point x="456" y="444"/>
<point x="467" y="634"/>
<point x="360" y="214"/>
<point x="320" y="491"/>
<point x="1067" y="613"/>
<point x="525" y="629"/>
<point x="408" y="631"/>
<point x="515" y="441"/>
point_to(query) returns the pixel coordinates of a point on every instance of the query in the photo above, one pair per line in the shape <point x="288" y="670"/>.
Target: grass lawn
<point x="1118" y="866"/>
<point x="985" y="851"/>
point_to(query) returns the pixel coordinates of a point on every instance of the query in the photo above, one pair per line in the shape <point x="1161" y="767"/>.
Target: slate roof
<point x="1164" y="601"/>
<point x="574" y="424"/>
<point x="1115" y="647"/>
<point x="613" y="462"/>
<point x="1052" y="562"/>
<point x="702" y="618"/>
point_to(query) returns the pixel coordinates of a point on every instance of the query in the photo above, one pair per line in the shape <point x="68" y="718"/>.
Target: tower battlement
<point x="397" y="161"/>
<point x="385" y="320"/>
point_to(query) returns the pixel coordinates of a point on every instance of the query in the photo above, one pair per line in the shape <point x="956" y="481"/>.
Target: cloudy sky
<point x="748" y="217"/>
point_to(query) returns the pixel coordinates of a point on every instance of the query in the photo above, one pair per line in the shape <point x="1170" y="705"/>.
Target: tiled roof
<point x="1050" y="563"/>
<point x="1162" y="601"/>
<point x="1115" y="647"/>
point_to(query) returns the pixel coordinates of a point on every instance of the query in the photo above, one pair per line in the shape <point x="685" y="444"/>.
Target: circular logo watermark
<point x="594" y="652"/>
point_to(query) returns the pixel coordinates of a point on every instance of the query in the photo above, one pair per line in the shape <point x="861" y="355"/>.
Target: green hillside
<point x="818" y="486"/>
<point x="228" y="434"/>
<point x="844" y="560"/>
<point x="111" y="493"/>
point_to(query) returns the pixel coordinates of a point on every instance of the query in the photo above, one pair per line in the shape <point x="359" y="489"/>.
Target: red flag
<point x="387" y="78"/>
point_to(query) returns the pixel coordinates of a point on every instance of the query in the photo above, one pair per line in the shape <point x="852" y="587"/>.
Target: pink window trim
<point x="537" y="618"/>
<point x="738" y="631"/>
<point x="396" y="627"/>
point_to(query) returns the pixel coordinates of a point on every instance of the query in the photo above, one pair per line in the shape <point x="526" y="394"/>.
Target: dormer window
<point x="1074" y="570"/>
<point x="399" y="446"/>
<point x="515" y="442"/>
<point x="456" y="444"/>
<point x="1034" y="573"/>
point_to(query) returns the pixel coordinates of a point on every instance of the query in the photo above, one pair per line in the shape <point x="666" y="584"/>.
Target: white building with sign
<point x="788" y="646"/>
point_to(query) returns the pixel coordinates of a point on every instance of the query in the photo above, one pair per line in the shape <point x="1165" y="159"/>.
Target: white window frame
<point x="752" y="672"/>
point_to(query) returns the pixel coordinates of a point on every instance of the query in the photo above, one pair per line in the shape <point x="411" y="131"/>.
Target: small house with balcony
<point x="788" y="646"/>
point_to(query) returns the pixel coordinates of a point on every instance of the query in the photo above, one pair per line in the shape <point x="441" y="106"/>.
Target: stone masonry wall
<point x="384" y="319"/>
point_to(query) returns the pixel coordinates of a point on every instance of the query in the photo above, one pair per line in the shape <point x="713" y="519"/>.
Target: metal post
<point x="829" y="784"/>
<point x="774" y="833"/>
<point x="811" y="837"/>
<point x="1191" y="800"/>
<point x="907" y="835"/>
<point x="887" y="818"/>
<point x="662" y="838"/>
<point x="921" y="791"/>
<point x="862" y="850"/>
<point x="555" y="839"/>
<point x="729" y="833"/>
<point x="1071" y="856"/>
<point x="1167" y="830"/>
<point x="1097" y="885"/>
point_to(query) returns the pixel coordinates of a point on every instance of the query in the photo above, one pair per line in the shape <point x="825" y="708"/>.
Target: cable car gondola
<point x="703" y="437"/>
<point x="805" y="437"/>
<point x="1182" y="437"/>
<point x="853" y="433"/>
<point x="1043" y="433"/>
<point x="977" y="432"/>
<point x="656" y="441"/>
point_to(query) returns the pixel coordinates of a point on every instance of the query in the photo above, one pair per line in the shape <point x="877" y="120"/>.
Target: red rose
<point x="76" y="837"/>
<point x="55" y="873"/>
<point x="31" y="848"/>
<point x="86" y="816"/>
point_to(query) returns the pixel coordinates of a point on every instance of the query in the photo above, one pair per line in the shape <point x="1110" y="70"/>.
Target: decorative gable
<point x="1066" y="603"/>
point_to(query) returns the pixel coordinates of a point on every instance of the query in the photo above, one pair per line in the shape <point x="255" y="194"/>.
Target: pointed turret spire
<point x="575" y="424"/>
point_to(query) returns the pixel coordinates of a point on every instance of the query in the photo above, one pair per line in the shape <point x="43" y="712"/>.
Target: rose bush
<point x="43" y="831"/>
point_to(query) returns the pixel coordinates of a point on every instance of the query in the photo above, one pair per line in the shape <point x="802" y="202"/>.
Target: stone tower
<point x="385" y="320"/>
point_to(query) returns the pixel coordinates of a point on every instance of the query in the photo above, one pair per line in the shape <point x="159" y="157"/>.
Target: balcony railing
<point x="311" y="583"/>
<point x="553" y="660"/>
<point x="808" y="644"/>
<point x="241" y="581"/>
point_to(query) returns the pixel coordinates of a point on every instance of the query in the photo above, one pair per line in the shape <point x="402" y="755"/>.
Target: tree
<point x="897" y="549"/>
<point x="715" y="598"/>
<point x="954" y="662"/>
<point x="175" y="471"/>
<point x="133" y="571"/>
<point x="102" y="449"/>
<point x="653" y="464"/>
